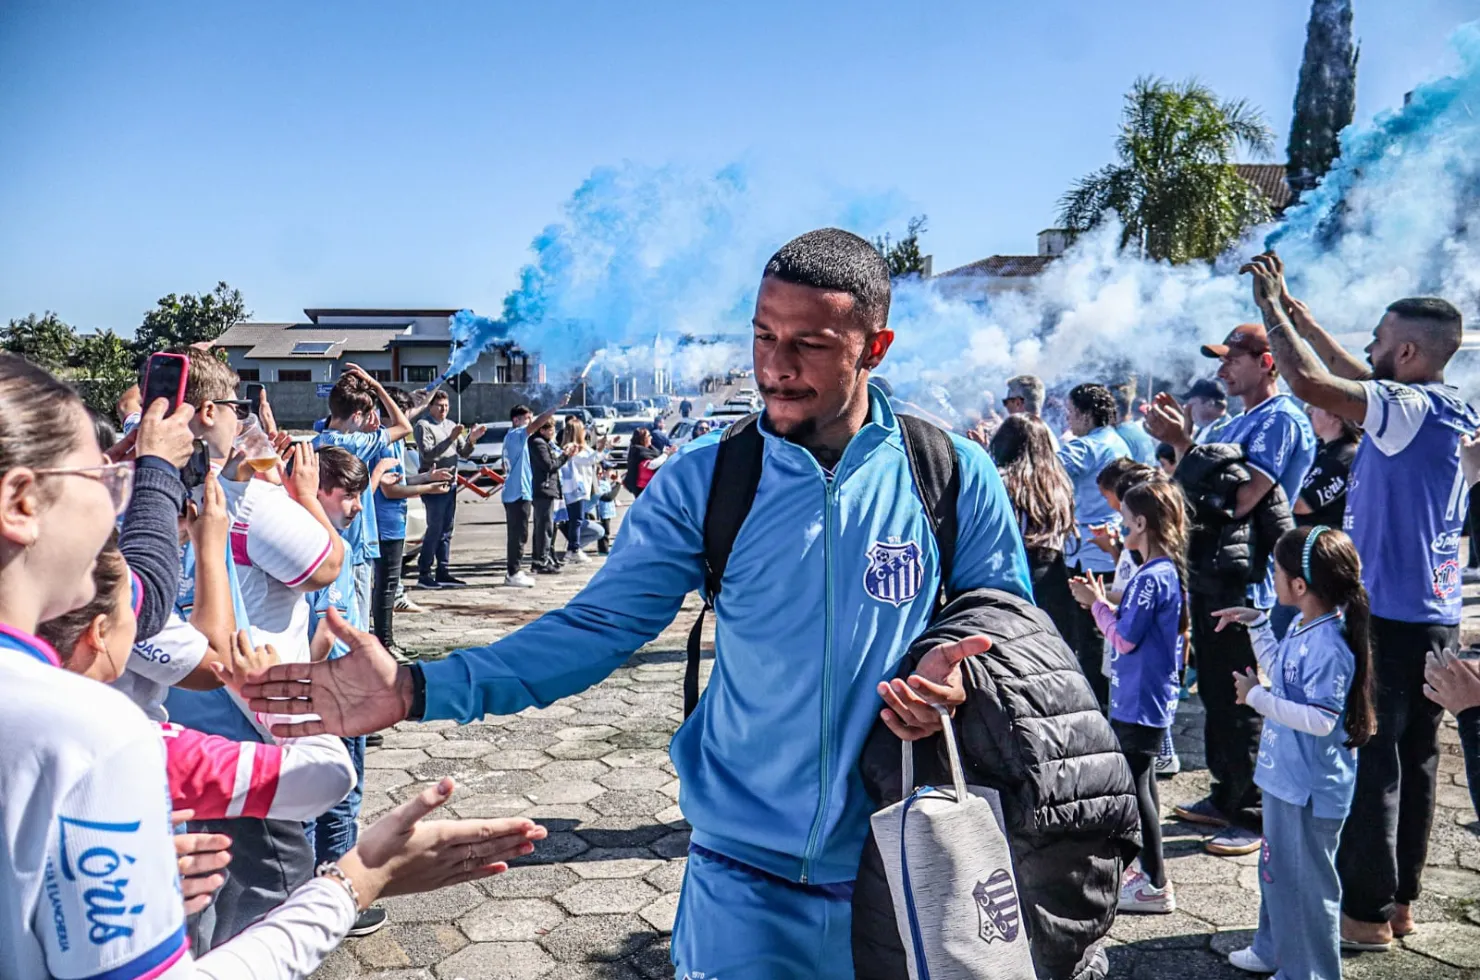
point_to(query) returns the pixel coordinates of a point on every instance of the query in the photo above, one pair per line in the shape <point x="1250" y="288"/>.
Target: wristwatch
<point x="418" y="707"/>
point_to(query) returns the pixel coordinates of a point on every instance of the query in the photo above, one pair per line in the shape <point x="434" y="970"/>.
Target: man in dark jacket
<point x="1030" y="729"/>
<point x="544" y="467"/>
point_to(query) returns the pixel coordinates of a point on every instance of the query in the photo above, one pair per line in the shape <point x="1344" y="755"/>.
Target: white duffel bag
<point x="950" y="873"/>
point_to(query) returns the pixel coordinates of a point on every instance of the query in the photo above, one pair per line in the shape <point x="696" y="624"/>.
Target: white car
<point x="620" y="437"/>
<point x="487" y="451"/>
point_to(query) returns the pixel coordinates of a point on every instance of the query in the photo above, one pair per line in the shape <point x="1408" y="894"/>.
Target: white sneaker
<point x="1138" y="895"/>
<point x="519" y="580"/>
<point x="1168" y="765"/>
<point x="578" y="557"/>
<point x="405" y="605"/>
<point x="1246" y="960"/>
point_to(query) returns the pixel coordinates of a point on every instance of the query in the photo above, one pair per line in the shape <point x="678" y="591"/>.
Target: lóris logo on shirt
<point x="895" y="571"/>
<point x="95" y="854"/>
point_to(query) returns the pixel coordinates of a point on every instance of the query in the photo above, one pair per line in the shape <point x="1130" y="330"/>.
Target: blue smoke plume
<point x="660" y="265"/>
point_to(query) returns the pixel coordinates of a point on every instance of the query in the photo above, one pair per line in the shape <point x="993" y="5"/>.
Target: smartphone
<point x="254" y="395"/>
<point x="164" y="377"/>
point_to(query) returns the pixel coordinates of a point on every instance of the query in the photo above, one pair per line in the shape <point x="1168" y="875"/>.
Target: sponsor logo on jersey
<point x="1446" y="580"/>
<point x="1445" y="543"/>
<point x="895" y="571"/>
<point x="95" y="855"/>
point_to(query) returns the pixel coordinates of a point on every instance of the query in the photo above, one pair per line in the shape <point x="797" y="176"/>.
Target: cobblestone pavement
<point x="598" y="898"/>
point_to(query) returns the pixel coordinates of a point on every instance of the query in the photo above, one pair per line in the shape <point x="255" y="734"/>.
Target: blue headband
<point x="1310" y="544"/>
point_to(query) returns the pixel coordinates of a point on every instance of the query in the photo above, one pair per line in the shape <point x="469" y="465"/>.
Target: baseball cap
<point x="1206" y="388"/>
<point x="1246" y="338"/>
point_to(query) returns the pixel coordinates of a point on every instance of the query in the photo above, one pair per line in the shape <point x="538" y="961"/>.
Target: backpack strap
<point x="737" y="474"/>
<point x="936" y="470"/>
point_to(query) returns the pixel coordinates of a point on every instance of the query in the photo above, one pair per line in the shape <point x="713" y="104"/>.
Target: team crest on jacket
<point x="997" y="907"/>
<point x="895" y="571"/>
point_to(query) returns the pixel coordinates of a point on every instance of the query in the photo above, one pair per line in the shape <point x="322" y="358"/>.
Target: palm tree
<point x="1175" y="188"/>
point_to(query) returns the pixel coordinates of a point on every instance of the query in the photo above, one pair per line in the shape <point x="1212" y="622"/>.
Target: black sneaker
<point x="374" y="740"/>
<point x="448" y="581"/>
<point x="547" y="569"/>
<point x="402" y="656"/>
<point x="428" y="583"/>
<point x="368" y="921"/>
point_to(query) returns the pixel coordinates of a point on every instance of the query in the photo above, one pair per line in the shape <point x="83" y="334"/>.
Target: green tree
<point x="46" y="340"/>
<point x="178" y="321"/>
<point x="904" y="256"/>
<point x="1174" y="187"/>
<point x="1326" y="98"/>
<point x="102" y="369"/>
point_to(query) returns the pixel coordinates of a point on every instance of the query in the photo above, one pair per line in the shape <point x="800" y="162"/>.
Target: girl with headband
<point x="1318" y="710"/>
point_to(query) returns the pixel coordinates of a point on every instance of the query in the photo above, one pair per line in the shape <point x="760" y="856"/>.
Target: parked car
<point x="634" y="410"/>
<point x="416" y="526"/>
<point x="620" y="437"/>
<point x="488" y="451"/>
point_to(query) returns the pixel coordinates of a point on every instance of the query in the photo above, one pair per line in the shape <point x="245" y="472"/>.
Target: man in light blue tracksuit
<point x="806" y="641"/>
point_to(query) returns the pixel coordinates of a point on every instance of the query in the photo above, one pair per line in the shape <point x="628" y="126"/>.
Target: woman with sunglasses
<point x="88" y="877"/>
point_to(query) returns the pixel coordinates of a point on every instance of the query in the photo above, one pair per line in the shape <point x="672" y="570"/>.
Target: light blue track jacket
<point x="829" y="582"/>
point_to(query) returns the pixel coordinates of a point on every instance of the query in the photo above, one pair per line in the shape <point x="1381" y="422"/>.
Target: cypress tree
<point x="1326" y="98"/>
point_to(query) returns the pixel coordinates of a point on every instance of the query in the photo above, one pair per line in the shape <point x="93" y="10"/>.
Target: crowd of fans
<point x="225" y="632"/>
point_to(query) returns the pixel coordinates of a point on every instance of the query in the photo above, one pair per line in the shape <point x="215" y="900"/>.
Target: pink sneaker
<point x="1138" y="895"/>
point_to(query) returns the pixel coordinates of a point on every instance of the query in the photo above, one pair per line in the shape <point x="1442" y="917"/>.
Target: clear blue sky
<point x="401" y="154"/>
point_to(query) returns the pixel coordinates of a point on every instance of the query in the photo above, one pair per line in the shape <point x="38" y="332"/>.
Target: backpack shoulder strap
<point x="936" y="470"/>
<point x="737" y="474"/>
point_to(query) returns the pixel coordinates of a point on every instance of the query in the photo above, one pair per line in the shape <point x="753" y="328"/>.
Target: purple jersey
<point x="1144" y="681"/>
<point x="1406" y="502"/>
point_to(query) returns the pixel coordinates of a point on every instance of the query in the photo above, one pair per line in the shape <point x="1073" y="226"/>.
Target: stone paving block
<point x="1455" y="797"/>
<point x="385" y="780"/>
<point x="460" y="769"/>
<point x="634" y="779"/>
<point x="672" y="816"/>
<point x="629" y="803"/>
<point x="339" y="965"/>
<point x="592" y="769"/>
<point x="616" y="862"/>
<point x="668" y="876"/>
<point x="1175" y="931"/>
<point x="1400" y="964"/>
<point x="393" y="758"/>
<point x="1228" y="940"/>
<point x="561" y="816"/>
<point x="442" y="905"/>
<point x="529" y="881"/>
<point x="606" y="896"/>
<point x="672" y="845"/>
<point x="661" y="912"/>
<point x="514" y="782"/>
<point x="497" y="961"/>
<point x="484" y="806"/>
<point x="1454" y="943"/>
<point x="597" y="937"/>
<point x="636" y="758"/>
<point x="511" y="920"/>
<point x="640" y="740"/>
<point x="522" y="738"/>
<point x="414" y="944"/>
<point x="564" y="791"/>
<point x="669" y="789"/>
<point x="1224" y="906"/>
<point x="553" y="711"/>
<point x="1182" y="964"/>
<point x="1201" y="868"/>
<point x="1451" y="882"/>
<point x="503" y="760"/>
<point x="556" y="847"/>
<point x="656" y="961"/>
<point x="444" y="749"/>
<point x="394" y="975"/>
<point x="623" y="831"/>
<point x="580" y="750"/>
<point x="411" y="739"/>
<point x="584" y="733"/>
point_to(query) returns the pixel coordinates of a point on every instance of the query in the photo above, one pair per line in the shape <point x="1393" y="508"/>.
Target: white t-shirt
<point x="91" y="886"/>
<point x="159" y="663"/>
<point x="276" y="545"/>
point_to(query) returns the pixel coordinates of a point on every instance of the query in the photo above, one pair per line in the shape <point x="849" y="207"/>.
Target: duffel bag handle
<point x="907" y="759"/>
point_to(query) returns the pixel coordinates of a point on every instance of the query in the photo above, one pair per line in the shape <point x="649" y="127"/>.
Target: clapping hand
<point x="478" y="432"/>
<point x="1087" y="589"/>
<point x="911" y="712"/>
<point x="1107" y="538"/>
<point x="1168" y="421"/>
<point x="1451" y="682"/>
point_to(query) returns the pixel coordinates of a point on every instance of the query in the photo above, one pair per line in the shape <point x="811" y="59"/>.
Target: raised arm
<point x="399" y="426"/>
<point x="1308" y="378"/>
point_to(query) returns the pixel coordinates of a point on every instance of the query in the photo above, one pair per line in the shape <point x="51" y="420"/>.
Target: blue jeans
<point x="575" y="512"/>
<point x="335" y="832"/>
<point x="737" y="924"/>
<point x="1300" y="894"/>
<point x="437" y="544"/>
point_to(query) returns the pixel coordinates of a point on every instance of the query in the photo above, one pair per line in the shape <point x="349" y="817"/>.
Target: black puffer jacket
<point x="1032" y="730"/>
<point x="544" y="467"/>
<point x="1225" y="553"/>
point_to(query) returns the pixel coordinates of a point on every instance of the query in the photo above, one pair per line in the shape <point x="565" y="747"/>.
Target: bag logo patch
<point x="997" y="907"/>
<point x="895" y="571"/>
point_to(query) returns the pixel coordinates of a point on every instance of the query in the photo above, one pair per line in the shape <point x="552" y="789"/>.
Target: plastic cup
<point x="261" y="456"/>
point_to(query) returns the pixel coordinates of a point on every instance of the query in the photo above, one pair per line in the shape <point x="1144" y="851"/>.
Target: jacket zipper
<point x="829" y="499"/>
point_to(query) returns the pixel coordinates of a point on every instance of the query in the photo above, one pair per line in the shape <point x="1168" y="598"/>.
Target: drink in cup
<point x="261" y="456"/>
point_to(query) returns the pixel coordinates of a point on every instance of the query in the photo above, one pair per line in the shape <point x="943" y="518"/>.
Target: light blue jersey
<point x="362" y="537"/>
<point x="518" y="479"/>
<point x="831" y="578"/>
<point x="1084" y="458"/>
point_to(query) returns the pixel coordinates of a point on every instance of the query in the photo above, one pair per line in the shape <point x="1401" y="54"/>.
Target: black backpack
<point x="737" y="473"/>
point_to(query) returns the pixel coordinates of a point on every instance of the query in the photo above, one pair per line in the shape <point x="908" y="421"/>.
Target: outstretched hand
<point x="361" y="692"/>
<point x="1238" y="614"/>
<point x="937" y="680"/>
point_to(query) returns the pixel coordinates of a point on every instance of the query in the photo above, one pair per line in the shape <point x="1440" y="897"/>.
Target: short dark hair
<point x="349" y="395"/>
<point x="1442" y="324"/>
<point x="519" y="410"/>
<point x="340" y="469"/>
<point x="402" y="398"/>
<point x="1095" y="401"/>
<point x="441" y="395"/>
<point x="1124" y="395"/>
<point x="1115" y="469"/>
<point x="834" y="259"/>
<point x="1166" y="451"/>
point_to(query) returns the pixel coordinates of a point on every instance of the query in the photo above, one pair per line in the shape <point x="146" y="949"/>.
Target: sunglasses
<point x="116" y="478"/>
<point x="241" y="406"/>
